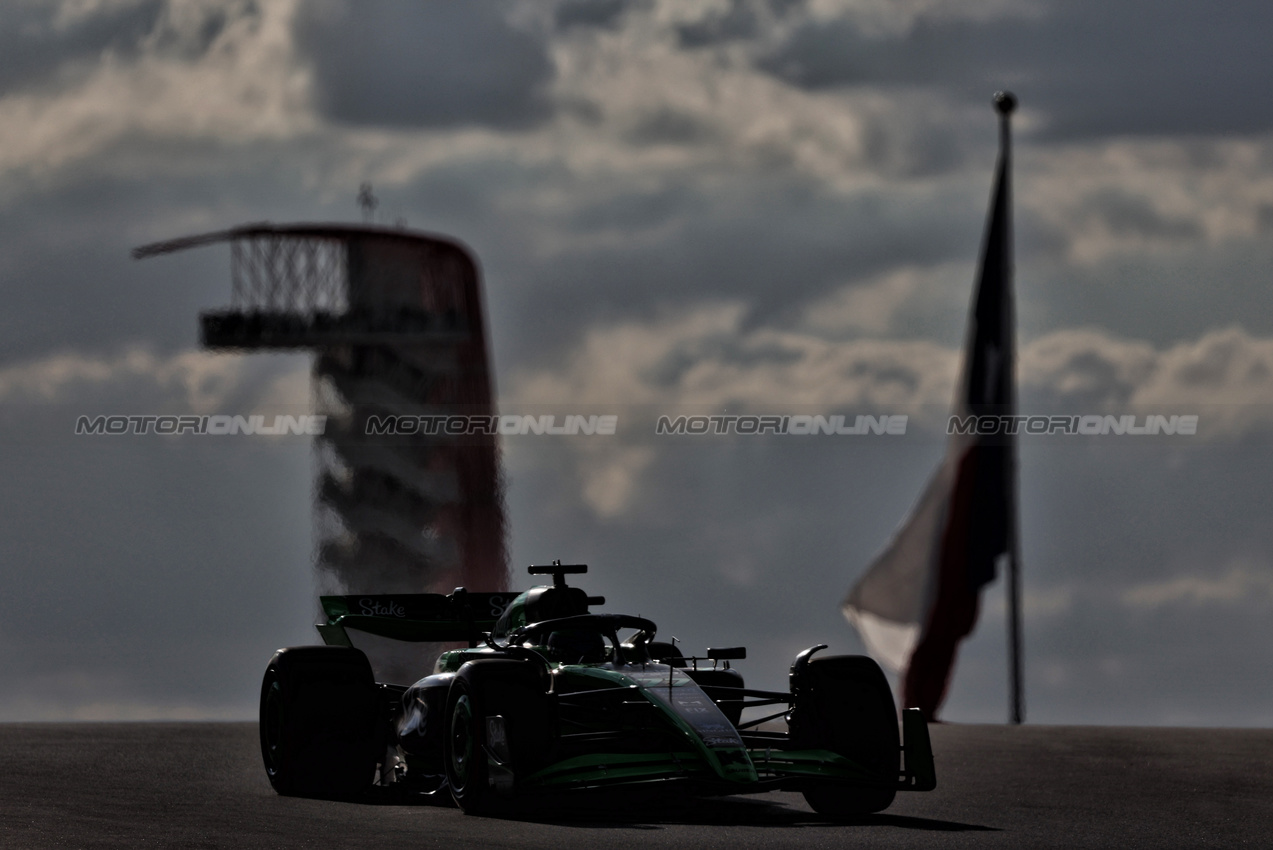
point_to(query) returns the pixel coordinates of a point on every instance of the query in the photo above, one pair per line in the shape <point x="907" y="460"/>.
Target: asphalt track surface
<point x="201" y="785"/>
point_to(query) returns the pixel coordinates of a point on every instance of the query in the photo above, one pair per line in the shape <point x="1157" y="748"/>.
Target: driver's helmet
<point x="576" y="646"/>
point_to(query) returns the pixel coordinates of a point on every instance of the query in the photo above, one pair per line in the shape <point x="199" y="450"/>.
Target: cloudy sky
<point x="766" y="206"/>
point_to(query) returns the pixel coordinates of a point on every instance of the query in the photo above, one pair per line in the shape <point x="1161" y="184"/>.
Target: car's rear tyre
<point x="844" y="704"/>
<point x="516" y="692"/>
<point x="320" y="722"/>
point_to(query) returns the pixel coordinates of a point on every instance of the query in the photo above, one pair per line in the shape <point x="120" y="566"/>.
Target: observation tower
<point x="396" y="323"/>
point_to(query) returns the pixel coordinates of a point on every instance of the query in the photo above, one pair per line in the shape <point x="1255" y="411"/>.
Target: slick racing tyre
<point x="498" y="727"/>
<point x="844" y="704"/>
<point x="321" y="725"/>
<point x="464" y="753"/>
<point x="721" y="686"/>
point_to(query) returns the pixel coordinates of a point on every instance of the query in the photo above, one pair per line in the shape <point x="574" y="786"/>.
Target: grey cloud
<point x="66" y="267"/>
<point x="1225" y="377"/>
<point x="602" y="14"/>
<point x="735" y="23"/>
<point x="775" y="244"/>
<point x="913" y="149"/>
<point x="439" y="64"/>
<point x="35" y="49"/>
<point x="826" y="54"/>
<point x="1264" y="218"/>
<point x="1089" y="370"/>
<point x="190" y="37"/>
<point x="1084" y="368"/>
<point x="783" y="8"/>
<point x="1160" y="296"/>
<point x="1122" y="214"/>
<point x="1216" y="362"/>
<point x="1092" y="69"/>
<point x="669" y="126"/>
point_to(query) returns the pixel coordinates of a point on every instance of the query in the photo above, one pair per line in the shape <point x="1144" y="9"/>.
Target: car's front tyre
<point x="464" y="753"/>
<point x="844" y="704"/>
<point x="509" y="696"/>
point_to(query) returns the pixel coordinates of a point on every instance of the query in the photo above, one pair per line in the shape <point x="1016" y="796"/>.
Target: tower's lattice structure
<point x="396" y="322"/>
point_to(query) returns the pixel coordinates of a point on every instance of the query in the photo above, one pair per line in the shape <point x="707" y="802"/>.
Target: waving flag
<point x="920" y="597"/>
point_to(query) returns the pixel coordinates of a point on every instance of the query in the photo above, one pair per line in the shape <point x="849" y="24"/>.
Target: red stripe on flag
<point x="955" y="607"/>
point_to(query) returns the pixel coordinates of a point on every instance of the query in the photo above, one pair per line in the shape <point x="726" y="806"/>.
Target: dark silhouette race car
<point x="549" y="697"/>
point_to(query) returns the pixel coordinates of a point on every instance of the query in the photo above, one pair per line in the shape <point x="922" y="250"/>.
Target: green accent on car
<point x="450" y="662"/>
<point x="729" y="761"/>
<point x="618" y="768"/>
<point x="411" y="617"/>
<point x="773" y="764"/>
<point x="514" y="616"/>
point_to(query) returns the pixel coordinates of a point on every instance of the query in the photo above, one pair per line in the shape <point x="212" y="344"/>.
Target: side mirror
<point x="727" y="653"/>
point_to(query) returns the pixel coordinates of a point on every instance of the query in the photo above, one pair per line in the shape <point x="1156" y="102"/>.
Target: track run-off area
<point x="201" y="785"/>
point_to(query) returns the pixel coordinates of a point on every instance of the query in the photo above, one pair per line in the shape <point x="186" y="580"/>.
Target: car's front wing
<point x="775" y="766"/>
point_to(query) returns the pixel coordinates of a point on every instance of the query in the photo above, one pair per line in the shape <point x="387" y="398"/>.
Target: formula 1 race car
<point x="548" y="698"/>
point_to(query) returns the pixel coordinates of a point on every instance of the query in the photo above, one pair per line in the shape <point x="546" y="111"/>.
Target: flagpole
<point x="1005" y="103"/>
<point x="919" y="599"/>
<point x="1014" y="607"/>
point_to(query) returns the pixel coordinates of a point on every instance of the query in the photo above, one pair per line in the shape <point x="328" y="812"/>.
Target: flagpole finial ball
<point x="1005" y="102"/>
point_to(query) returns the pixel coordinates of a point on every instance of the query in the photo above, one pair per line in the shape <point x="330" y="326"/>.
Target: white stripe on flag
<point x="889" y="643"/>
<point x="897" y="591"/>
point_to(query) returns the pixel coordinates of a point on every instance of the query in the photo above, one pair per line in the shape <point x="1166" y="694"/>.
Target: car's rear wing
<point x="461" y="616"/>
